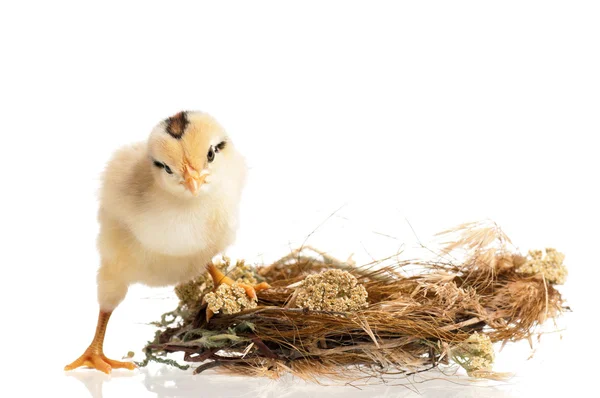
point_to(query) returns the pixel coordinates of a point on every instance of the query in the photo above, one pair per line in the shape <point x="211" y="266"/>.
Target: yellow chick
<point x="167" y="207"/>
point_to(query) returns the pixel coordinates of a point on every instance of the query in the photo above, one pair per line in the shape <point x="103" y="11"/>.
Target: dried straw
<point x="413" y="320"/>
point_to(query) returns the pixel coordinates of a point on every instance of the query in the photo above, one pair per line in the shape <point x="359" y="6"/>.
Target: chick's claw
<point x="250" y="291"/>
<point x="97" y="360"/>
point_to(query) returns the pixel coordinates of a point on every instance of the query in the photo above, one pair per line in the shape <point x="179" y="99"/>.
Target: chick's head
<point x="191" y="156"/>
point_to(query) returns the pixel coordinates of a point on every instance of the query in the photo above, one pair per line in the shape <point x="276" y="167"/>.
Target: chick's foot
<point x="250" y="289"/>
<point x="219" y="277"/>
<point x="93" y="358"/>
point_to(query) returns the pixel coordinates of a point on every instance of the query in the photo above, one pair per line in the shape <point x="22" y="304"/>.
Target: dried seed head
<point x="331" y="290"/>
<point x="229" y="300"/>
<point x="190" y="293"/>
<point x="550" y="265"/>
<point x="475" y="354"/>
<point x="241" y="272"/>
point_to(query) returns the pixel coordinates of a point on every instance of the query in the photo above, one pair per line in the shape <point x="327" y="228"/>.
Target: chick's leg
<point x="94" y="357"/>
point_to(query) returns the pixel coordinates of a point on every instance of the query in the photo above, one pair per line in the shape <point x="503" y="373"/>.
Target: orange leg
<point x="94" y="357"/>
<point x="219" y="277"/>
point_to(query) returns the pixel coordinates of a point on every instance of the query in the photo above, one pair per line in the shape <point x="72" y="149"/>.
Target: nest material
<point x="323" y="317"/>
<point x="331" y="290"/>
<point x="228" y="300"/>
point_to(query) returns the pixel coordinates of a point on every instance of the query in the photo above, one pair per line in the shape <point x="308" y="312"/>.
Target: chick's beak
<point x="193" y="180"/>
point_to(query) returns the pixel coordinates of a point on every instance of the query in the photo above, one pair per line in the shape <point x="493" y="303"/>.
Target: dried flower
<point x="190" y="293"/>
<point x="229" y="300"/>
<point x="475" y="354"/>
<point x="331" y="290"/>
<point x="549" y="265"/>
<point x="241" y="272"/>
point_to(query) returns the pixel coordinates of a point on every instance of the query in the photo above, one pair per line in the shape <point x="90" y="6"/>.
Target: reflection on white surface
<point x="163" y="382"/>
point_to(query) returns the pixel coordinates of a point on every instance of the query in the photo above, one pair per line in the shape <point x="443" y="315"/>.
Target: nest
<point x="324" y="317"/>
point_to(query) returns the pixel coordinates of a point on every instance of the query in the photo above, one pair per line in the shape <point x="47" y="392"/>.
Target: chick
<point x="167" y="207"/>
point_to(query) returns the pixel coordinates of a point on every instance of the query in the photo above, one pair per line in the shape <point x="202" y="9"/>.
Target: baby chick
<point x="167" y="207"/>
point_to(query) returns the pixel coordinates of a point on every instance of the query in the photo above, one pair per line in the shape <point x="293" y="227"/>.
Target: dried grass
<point x="414" y="321"/>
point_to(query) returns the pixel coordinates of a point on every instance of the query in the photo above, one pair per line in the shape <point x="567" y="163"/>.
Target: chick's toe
<point x="219" y="278"/>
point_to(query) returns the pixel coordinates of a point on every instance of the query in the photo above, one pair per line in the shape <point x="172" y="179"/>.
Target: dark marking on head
<point x="177" y="124"/>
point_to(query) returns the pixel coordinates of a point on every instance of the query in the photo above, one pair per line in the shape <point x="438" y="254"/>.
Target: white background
<point x="425" y="113"/>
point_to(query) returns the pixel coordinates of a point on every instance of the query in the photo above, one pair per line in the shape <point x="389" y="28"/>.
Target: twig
<point x="320" y="225"/>
<point x="207" y="366"/>
<point x="200" y="358"/>
<point x="262" y="347"/>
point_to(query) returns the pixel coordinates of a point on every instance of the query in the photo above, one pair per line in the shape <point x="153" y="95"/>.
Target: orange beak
<point x="193" y="180"/>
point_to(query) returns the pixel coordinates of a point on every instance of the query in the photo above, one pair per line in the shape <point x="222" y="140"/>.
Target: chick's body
<point x="167" y="207"/>
<point x="152" y="237"/>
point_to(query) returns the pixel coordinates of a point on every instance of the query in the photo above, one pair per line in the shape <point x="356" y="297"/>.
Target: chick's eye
<point x="211" y="154"/>
<point x="163" y="166"/>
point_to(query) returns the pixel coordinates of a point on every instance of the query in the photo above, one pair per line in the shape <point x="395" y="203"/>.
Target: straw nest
<point x="324" y="317"/>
